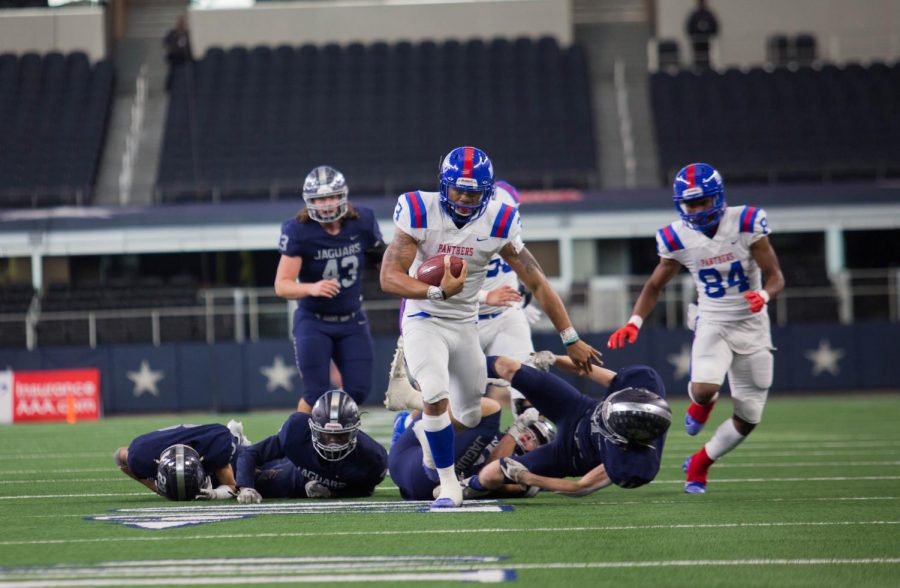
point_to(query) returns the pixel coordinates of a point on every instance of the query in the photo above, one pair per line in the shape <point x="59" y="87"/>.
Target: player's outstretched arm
<point x="764" y="256"/>
<point x="394" y="277"/>
<point x="665" y="270"/>
<point x="589" y="483"/>
<point x="530" y="273"/>
<point x="598" y="374"/>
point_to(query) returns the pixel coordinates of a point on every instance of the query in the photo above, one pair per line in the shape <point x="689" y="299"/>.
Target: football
<point x="432" y="269"/>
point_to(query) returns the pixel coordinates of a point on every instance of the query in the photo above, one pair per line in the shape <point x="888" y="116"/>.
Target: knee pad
<point x="762" y="368"/>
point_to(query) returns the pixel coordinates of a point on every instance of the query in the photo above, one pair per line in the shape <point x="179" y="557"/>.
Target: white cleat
<point x="449" y="497"/>
<point x="237" y="429"/>
<point x="542" y="360"/>
<point x="400" y="394"/>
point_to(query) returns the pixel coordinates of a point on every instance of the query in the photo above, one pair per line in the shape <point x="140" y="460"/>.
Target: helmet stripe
<point x="335" y="408"/>
<point x="179" y="471"/>
<point x="468" y="161"/>
<point x="691" y="175"/>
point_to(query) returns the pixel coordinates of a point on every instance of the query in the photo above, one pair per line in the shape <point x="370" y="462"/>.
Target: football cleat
<point x="237" y="430"/>
<point x="542" y="360"/>
<point x="692" y="426"/>
<point x="451" y="497"/>
<point x="399" y="426"/>
<point x="400" y="394"/>
<point x="694" y="488"/>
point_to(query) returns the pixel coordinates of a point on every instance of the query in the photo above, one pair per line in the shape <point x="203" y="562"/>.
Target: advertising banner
<point x="54" y="395"/>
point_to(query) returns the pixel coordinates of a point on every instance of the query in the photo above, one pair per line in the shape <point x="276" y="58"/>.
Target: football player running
<point x="334" y="458"/>
<point x="474" y="448"/>
<point x="727" y="251"/>
<point x="440" y="337"/>
<point x="184" y="462"/>
<point x="323" y="252"/>
<point x="618" y="440"/>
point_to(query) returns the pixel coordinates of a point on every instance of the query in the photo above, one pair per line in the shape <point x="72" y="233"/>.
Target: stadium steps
<point x="148" y="22"/>
<point x="605" y="43"/>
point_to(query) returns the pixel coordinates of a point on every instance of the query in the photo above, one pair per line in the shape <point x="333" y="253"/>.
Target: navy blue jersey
<point x="355" y="475"/>
<point x="339" y="257"/>
<point x="472" y="448"/>
<point x="214" y="443"/>
<point x="579" y="447"/>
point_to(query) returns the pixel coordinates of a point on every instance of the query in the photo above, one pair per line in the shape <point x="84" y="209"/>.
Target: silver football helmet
<point x="535" y="435"/>
<point x="321" y="183"/>
<point x="632" y="415"/>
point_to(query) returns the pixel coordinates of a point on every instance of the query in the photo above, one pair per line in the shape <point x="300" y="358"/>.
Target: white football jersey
<point x="499" y="273"/>
<point x="420" y="215"/>
<point x="723" y="267"/>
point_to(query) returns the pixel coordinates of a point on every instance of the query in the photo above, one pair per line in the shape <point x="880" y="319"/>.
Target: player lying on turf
<point x="176" y="462"/>
<point x="618" y="440"/>
<point x="474" y="448"/>
<point x="334" y="458"/>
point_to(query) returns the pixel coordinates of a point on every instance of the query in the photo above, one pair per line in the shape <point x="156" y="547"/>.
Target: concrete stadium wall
<point x="863" y="30"/>
<point x="230" y="377"/>
<point x="59" y="29"/>
<point x="368" y="21"/>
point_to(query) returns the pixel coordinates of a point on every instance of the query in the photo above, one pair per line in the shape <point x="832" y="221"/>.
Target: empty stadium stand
<point x="782" y="124"/>
<point x="249" y="123"/>
<point x="53" y="115"/>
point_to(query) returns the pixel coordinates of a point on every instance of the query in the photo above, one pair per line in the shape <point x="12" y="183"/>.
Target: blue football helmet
<point x="699" y="180"/>
<point x="325" y="182"/>
<point x="467" y="169"/>
<point x="334" y="423"/>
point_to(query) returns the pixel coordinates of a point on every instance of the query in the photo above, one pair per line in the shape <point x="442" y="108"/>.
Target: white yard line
<point x="500" y="530"/>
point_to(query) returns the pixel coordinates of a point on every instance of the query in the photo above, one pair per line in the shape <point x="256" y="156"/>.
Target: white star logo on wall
<point x="825" y="359"/>
<point x="145" y="379"/>
<point x="279" y="375"/>
<point x="681" y="361"/>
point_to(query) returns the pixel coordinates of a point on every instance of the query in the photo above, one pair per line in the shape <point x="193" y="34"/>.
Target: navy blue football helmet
<point x="699" y="180"/>
<point x="334" y="423"/>
<point x="632" y="415"/>
<point x="467" y="169"/>
<point x="325" y="182"/>
<point x="180" y="474"/>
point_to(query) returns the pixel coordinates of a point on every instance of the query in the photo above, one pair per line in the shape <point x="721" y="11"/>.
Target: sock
<point x="725" y="439"/>
<point x="491" y="372"/>
<point x="439" y="433"/>
<point x="701" y="412"/>
<point x="699" y="467"/>
<point x="475" y="484"/>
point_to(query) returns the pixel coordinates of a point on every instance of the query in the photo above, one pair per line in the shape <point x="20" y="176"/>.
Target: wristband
<point x="436" y="293"/>
<point x="482" y="296"/>
<point x="569" y="336"/>
<point x="637" y="321"/>
<point x="764" y="295"/>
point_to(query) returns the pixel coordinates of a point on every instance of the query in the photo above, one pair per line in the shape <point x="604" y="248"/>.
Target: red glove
<point x="756" y="300"/>
<point x="627" y="333"/>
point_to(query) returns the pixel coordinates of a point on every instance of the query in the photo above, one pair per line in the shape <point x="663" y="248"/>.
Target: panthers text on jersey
<point x="355" y="475"/>
<point x="215" y="444"/>
<point x="338" y="257"/>
<point x="421" y="216"/>
<point x="499" y="273"/>
<point x="723" y="267"/>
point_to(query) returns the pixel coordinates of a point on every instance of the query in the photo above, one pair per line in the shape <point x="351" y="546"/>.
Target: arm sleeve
<point x="289" y="243"/>
<point x="252" y="457"/>
<point x="405" y="217"/>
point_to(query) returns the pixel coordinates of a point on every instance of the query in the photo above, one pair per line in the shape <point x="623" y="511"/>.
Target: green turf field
<point x="811" y="499"/>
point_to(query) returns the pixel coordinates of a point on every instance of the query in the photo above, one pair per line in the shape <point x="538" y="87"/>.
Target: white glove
<point x="498" y="382"/>
<point x="223" y="492"/>
<point x="249" y="496"/>
<point x="531" y="491"/>
<point x="542" y="360"/>
<point x="316" y="490"/>
<point x="532" y="313"/>
<point x="528" y="417"/>
<point x="512" y="469"/>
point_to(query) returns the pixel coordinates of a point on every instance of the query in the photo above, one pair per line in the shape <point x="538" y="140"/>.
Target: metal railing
<point x="242" y="314"/>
